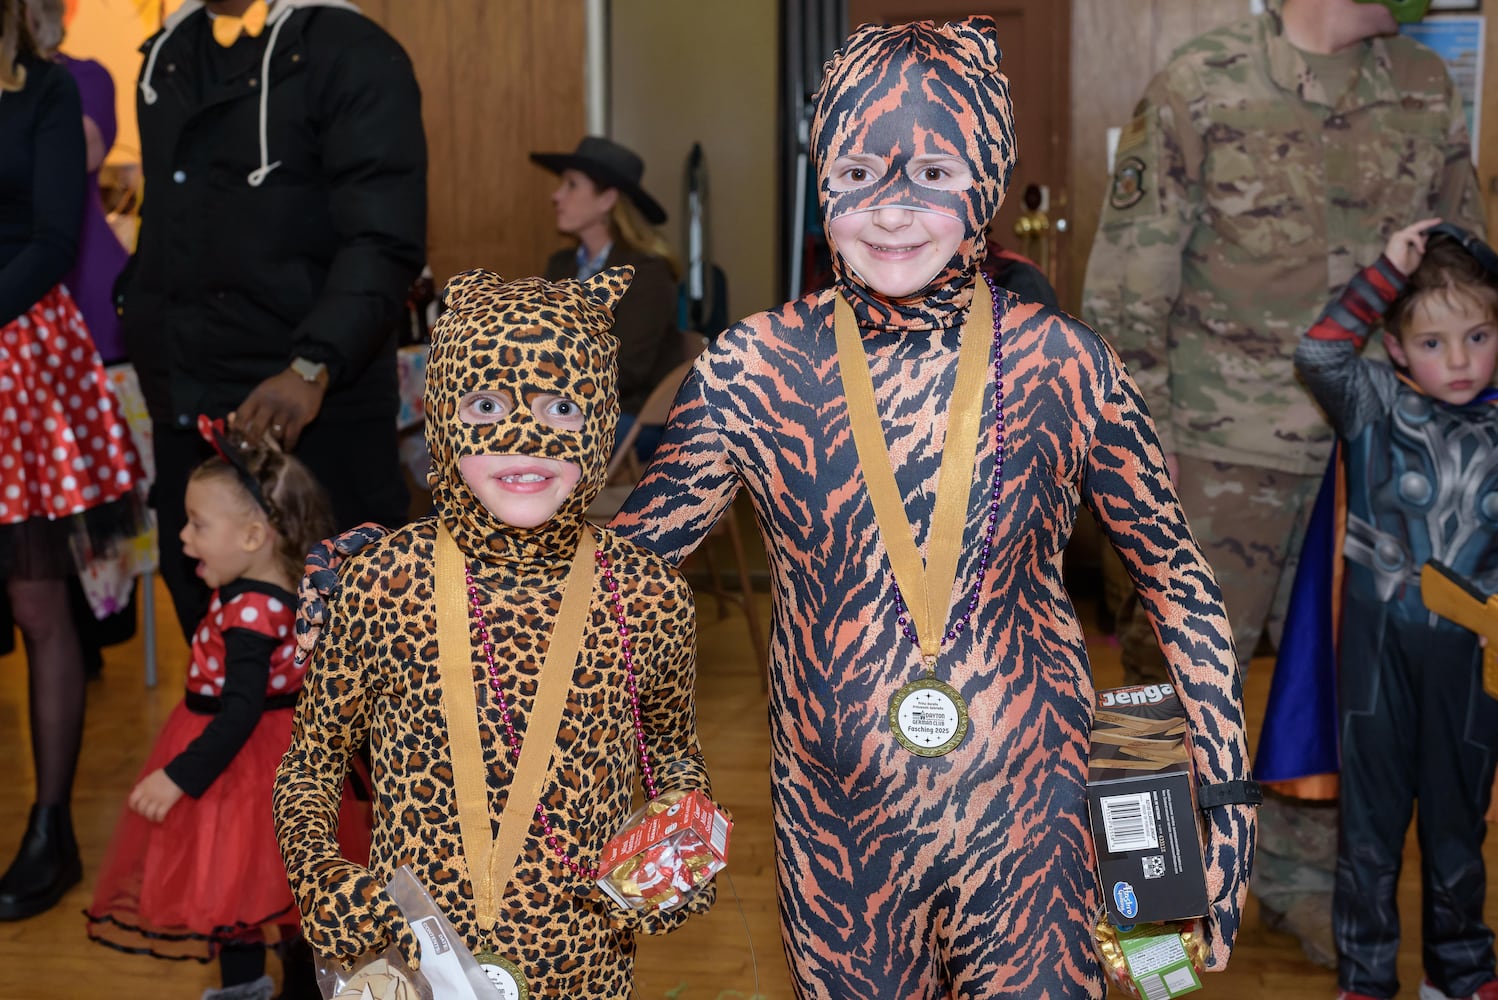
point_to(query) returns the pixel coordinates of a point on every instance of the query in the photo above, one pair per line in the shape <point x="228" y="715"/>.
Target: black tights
<point x="55" y="671"/>
<point x="241" y="963"/>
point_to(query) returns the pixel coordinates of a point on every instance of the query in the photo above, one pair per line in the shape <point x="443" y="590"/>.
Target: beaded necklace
<point x="965" y="620"/>
<point x="512" y="741"/>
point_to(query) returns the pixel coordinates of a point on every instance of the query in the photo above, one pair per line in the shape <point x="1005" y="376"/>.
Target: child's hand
<point x="346" y="913"/>
<point x="154" y="797"/>
<point x="1407" y="246"/>
<point x="320" y="583"/>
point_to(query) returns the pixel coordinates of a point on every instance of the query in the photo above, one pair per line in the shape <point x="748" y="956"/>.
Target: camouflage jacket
<point x="1244" y="195"/>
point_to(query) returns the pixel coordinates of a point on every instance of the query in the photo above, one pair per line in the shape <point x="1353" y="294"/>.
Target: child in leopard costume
<point x="521" y="408"/>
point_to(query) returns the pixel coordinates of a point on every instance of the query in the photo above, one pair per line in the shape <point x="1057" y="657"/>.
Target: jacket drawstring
<point x="260" y="173"/>
<point x="147" y="91"/>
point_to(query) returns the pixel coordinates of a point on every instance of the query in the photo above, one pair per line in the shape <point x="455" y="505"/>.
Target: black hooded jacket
<point x="255" y="251"/>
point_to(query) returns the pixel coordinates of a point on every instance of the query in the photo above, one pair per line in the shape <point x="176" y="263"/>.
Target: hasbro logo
<point x="1124" y="899"/>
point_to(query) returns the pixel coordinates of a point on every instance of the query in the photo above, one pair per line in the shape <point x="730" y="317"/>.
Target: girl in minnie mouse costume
<point x="194" y="870"/>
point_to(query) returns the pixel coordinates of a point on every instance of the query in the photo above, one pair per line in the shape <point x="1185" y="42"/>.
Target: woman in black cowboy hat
<point x="601" y="204"/>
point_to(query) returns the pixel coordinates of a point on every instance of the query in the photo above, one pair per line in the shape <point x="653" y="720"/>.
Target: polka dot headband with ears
<point x="232" y="452"/>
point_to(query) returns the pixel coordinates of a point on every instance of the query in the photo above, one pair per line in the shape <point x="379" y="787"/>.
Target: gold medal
<point x="505" y="975"/>
<point x="928" y="717"/>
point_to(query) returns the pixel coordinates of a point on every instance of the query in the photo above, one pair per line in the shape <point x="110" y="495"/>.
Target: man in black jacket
<point x="284" y="220"/>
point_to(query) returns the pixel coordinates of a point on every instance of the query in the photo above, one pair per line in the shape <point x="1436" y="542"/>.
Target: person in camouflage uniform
<point x="1263" y="163"/>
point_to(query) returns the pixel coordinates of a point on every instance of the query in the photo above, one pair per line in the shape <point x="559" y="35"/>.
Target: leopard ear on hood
<point x="462" y="284"/>
<point x="608" y="286"/>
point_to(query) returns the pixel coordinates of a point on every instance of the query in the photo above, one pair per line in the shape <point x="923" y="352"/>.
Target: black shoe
<point x="45" y="868"/>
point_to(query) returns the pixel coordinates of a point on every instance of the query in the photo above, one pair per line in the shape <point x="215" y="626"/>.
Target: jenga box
<point x="1140" y="797"/>
<point x="667" y="851"/>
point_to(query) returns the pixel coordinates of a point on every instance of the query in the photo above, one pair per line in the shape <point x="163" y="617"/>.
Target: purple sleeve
<point x="96" y="89"/>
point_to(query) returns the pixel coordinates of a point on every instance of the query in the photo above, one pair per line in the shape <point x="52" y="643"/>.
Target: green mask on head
<point x="1404" y="11"/>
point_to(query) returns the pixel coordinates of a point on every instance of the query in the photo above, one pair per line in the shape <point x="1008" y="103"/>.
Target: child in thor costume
<point x="905" y="871"/>
<point x="450" y="703"/>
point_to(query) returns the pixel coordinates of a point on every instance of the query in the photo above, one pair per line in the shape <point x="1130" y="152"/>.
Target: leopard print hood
<point x="525" y="338"/>
<point x="907" y="90"/>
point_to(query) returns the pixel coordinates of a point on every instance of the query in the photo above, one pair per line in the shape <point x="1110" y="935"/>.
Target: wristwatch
<point x="310" y="371"/>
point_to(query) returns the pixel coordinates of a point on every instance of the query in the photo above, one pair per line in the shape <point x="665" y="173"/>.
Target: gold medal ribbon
<point x="924" y="586"/>
<point x="492" y="861"/>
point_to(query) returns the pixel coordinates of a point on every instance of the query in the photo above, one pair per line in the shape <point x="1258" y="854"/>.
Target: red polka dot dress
<point x="211" y="871"/>
<point x="67" y="448"/>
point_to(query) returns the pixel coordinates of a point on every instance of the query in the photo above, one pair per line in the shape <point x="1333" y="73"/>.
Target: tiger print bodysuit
<point x="969" y="874"/>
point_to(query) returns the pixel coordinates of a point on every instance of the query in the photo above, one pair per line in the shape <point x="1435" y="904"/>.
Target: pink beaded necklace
<point x="512" y="741"/>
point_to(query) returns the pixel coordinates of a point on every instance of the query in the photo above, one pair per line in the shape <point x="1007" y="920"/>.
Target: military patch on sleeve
<point x="1128" y="183"/>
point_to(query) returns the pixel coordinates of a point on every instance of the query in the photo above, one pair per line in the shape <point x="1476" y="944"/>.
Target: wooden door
<point x="1035" y="36"/>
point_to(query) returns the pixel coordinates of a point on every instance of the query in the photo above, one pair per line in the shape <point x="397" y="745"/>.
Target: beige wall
<point x="685" y="71"/>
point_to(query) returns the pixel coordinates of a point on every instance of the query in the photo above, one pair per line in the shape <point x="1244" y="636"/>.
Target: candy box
<point x="1140" y="794"/>
<point x="668" y="850"/>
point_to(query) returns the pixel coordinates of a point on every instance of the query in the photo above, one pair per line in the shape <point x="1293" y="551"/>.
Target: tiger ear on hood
<point x="461" y="284"/>
<point x="608" y="286"/>
<point x="978" y="38"/>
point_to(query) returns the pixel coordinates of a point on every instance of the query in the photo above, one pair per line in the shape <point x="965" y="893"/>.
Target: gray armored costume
<point x="1422" y="485"/>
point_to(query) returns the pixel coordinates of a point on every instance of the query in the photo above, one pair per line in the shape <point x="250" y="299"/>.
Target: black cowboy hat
<point x="609" y="165"/>
<point x="1477" y="248"/>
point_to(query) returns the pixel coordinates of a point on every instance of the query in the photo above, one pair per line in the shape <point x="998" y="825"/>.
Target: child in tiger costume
<point x="966" y="873"/>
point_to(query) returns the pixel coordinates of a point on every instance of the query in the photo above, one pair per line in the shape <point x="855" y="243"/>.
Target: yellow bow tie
<point x="227" y="28"/>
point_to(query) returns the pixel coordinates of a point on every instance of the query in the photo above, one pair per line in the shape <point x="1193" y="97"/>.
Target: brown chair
<point x="625" y="472"/>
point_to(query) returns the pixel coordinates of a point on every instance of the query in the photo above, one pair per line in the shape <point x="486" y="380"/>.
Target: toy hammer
<point x="1452" y="597"/>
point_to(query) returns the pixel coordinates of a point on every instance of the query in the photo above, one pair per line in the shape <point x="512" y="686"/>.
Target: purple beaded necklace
<point x="512" y="741"/>
<point x="962" y="623"/>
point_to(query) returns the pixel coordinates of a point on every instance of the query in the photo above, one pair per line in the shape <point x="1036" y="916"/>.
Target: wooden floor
<point x="733" y="952"/>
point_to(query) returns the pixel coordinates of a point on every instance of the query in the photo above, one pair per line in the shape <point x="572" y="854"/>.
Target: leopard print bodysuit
<point x="375" y="673"/>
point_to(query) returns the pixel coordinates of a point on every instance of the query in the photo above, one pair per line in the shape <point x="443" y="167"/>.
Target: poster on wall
<point x="1458" y="41"/>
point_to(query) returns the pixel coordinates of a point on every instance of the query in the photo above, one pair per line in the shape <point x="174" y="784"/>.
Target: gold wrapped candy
<point x="664" y="801"/>
<point x="1111" y="954"/>
<point x="377" y="981"/>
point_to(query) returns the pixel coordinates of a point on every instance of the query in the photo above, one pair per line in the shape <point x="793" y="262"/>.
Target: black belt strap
<point x="1225" y="793"/>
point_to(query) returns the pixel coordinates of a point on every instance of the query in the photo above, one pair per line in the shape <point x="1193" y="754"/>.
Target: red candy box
<point x="668" y="850"/>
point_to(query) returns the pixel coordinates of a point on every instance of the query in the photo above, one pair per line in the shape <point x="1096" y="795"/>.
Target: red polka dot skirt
<point x="66" y="446"/>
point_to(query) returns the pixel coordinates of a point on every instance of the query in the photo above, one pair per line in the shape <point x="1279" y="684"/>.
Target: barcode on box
<point x="1154" y="988"/>
<point x="1128" y="822"/>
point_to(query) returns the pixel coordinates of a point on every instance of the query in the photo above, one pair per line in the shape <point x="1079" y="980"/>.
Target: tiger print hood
<point x="523" y="338"/>
<point x="903" y="91"/>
